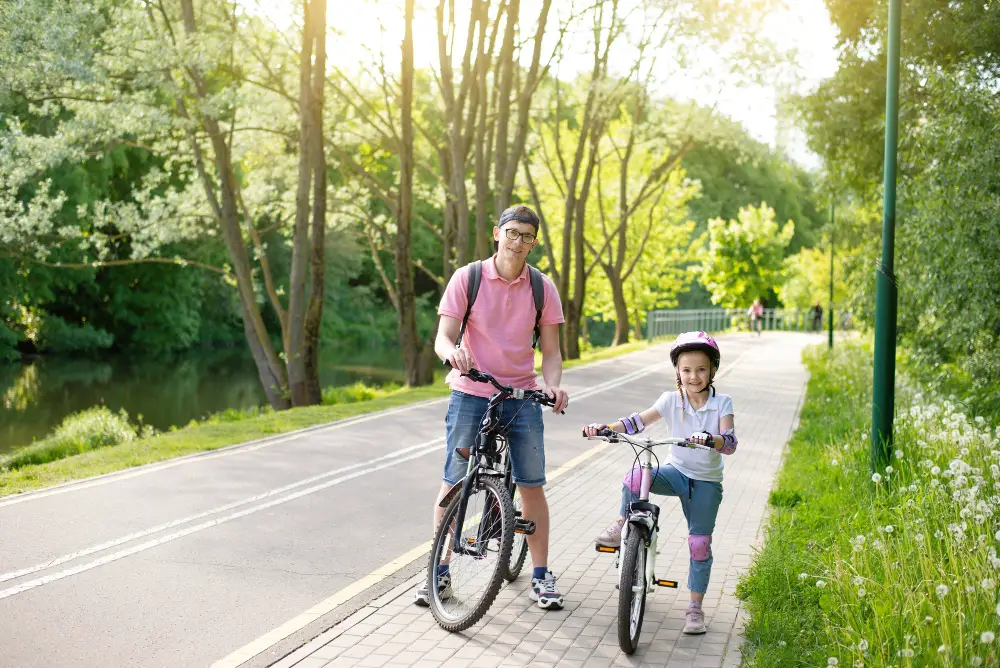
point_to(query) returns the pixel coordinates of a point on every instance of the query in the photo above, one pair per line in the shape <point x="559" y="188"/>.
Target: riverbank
<point x="229" y="428"/>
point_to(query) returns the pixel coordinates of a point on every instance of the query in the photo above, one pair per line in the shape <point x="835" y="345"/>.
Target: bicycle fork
<point x="646" y="515"/>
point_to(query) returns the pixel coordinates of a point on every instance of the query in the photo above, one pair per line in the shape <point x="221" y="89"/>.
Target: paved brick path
<point x="767" y="384"/>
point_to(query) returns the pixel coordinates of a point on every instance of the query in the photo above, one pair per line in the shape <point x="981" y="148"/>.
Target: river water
<point x="36" y="396"/>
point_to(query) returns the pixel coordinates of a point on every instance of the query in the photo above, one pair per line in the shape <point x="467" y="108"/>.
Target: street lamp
<point x="885" y="279"/>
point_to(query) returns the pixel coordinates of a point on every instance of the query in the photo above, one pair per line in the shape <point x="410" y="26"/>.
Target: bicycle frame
<point x="642" y="512"/>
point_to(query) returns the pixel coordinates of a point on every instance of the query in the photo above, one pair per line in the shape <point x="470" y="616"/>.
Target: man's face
<point x="515" y="248"/>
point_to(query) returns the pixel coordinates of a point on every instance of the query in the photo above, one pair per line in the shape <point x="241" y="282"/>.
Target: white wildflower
<point x="820" y="583"/>
<point x="889" y="469"/>
<point x="942" y="590"/>
<point x="987" y="584"/>
<point x="889" y="528"/>
<point x="987" y="637"/>
<point x="832" y="661"/>
<point x="876" y="478"/>
<point x="863" y="645"/>
<point x="899" y="454"/>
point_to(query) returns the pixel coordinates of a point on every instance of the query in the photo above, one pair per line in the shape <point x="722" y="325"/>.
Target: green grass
<point x="222" y="429"/>
<point x="900" y="571"/>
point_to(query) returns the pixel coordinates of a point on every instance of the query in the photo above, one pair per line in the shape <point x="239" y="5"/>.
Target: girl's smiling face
<point x="695" y="370"/>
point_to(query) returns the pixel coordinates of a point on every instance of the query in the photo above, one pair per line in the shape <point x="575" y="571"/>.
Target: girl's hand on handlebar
<point x="702" y="438"/>
<point x="594" y="429"/>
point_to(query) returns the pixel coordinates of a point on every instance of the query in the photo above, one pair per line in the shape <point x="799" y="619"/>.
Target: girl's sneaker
<point x="694" y="623"/>
<point x="543" y="590"/>
<point x="612" y="536"/>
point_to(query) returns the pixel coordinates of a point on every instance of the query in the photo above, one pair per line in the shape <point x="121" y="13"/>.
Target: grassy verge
<point x="226" y="428"/>
<point x="893" y="569"/>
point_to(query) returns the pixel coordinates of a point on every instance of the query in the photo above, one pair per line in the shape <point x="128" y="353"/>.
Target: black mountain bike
<point x="476" y="538"/>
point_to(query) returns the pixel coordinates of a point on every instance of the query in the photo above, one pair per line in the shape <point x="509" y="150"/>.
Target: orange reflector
<point x="604" y="548"/>
<point x="667" y="583"/>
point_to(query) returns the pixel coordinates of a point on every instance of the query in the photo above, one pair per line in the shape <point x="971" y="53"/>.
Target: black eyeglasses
<point x="526" y="237"/>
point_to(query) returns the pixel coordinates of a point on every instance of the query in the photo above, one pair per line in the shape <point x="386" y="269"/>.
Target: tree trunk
<point x="317" y="260"/>
<point x="408" y="341"/>
<point x="294" y="344"/>
<point x="621" y="309"/>
<point x="226" y="205"/>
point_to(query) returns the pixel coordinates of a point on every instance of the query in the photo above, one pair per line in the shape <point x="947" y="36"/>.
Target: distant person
<point x="756" y="315"/>
<point x="817" y="317"/>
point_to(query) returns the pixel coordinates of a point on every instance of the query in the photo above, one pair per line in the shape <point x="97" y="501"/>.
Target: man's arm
<point x="552" y="365"/>
<point x="444" y="345"/>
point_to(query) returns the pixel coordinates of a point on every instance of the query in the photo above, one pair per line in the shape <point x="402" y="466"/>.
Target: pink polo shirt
<point x="500" y="326"/>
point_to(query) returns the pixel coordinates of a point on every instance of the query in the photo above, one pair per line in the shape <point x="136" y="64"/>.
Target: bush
<point x="59" y="336"/>
<point x="356" y="392"/>
<point x="80" y="432"/>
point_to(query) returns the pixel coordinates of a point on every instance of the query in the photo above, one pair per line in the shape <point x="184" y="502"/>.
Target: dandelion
<point x="889" y="528"/>
<point x="936" y="470"/>
<point x="782" y="643"/>
<point x="834" y="462"/>
<point x="861" y="592"/>
<point x="942" y="590"/>
<point x="987" y="637"/>
<point x="899" y="454"/>
<point x="889" y="469"/>
<point x="977" y="661"/>
<point x="998" y="608"/>
<point x="803" y="576"/>
<point x="858" y="580"/>
<point x="997" y="536"/>
<point x="919" y="537"/>
<point x="832" y="661"/>
<point x="863" y="645"/>
<point x="943" y="649"/>
<point x="908" y="653"/>
<point x="820" y="583"/>
<point x="969" y="589"/>
<point x="876" y="478"/>
<point x="864" y="437"/>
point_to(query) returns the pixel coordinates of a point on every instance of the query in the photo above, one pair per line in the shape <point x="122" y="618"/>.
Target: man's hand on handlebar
<point x="560" y="398"/>
<point x="461" y="359"/>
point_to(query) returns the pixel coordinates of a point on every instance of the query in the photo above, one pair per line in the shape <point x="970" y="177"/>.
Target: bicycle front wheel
<point x="519" y="551"/>
<point x="475" y="570"/>
<point x="632" y="589"/>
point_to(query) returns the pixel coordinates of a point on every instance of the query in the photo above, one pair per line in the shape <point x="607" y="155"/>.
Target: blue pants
<point x="700" y="500"/>
<point x="525" y="438"/>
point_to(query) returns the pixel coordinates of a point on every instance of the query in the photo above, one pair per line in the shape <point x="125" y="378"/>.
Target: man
<point x="498" y="340"/>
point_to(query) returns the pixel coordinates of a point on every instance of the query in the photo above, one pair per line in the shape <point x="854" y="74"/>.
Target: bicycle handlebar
<point x="538" y="396"/>
<point x="612" y="436"/>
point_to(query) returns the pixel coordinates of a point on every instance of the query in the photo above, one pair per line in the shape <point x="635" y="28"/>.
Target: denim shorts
<point x="524" y="437"/>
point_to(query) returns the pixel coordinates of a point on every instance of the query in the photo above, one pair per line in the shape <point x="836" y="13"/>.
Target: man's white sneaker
<point x="423" y="596"/>
<point x="544" y="592"/>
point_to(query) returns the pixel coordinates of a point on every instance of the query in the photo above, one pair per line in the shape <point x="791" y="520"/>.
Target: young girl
<point x="697" y="413"/>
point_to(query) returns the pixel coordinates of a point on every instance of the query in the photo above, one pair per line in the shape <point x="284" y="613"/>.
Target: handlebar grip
<point x="607" y="431"/>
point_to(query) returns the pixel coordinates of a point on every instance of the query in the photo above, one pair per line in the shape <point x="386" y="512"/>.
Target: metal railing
<point x="675" y="321"/>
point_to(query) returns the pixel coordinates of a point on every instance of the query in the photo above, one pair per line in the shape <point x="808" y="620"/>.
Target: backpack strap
<point x="538" y="292"/>
<point x="471" y="291"/>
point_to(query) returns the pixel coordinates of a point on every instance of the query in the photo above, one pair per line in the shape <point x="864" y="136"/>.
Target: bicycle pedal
<point x="605" y="548"/>
<point x="526" y="527"/>
<point x="667" y="583"/>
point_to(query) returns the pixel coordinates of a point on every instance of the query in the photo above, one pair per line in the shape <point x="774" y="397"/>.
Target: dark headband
<point x="519" y="217"/>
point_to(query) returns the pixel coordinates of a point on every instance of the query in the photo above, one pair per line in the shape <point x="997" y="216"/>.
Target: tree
<point x="165" y="78"/>
<point x="744" y="256"/>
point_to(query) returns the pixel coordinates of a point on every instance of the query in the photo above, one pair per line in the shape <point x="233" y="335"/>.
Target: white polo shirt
<point x="695" y="463"/>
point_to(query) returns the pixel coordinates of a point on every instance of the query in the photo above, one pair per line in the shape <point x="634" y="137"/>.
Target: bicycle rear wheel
<point x="477" y="568"/>
<point x="632" y="589"/>
<point x="519" y="551"/>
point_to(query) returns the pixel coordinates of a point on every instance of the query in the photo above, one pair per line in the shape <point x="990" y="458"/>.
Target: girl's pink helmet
<point x="689" y="341"/>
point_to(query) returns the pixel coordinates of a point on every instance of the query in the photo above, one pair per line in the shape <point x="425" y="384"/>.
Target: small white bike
<point x="636" y="561"/>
